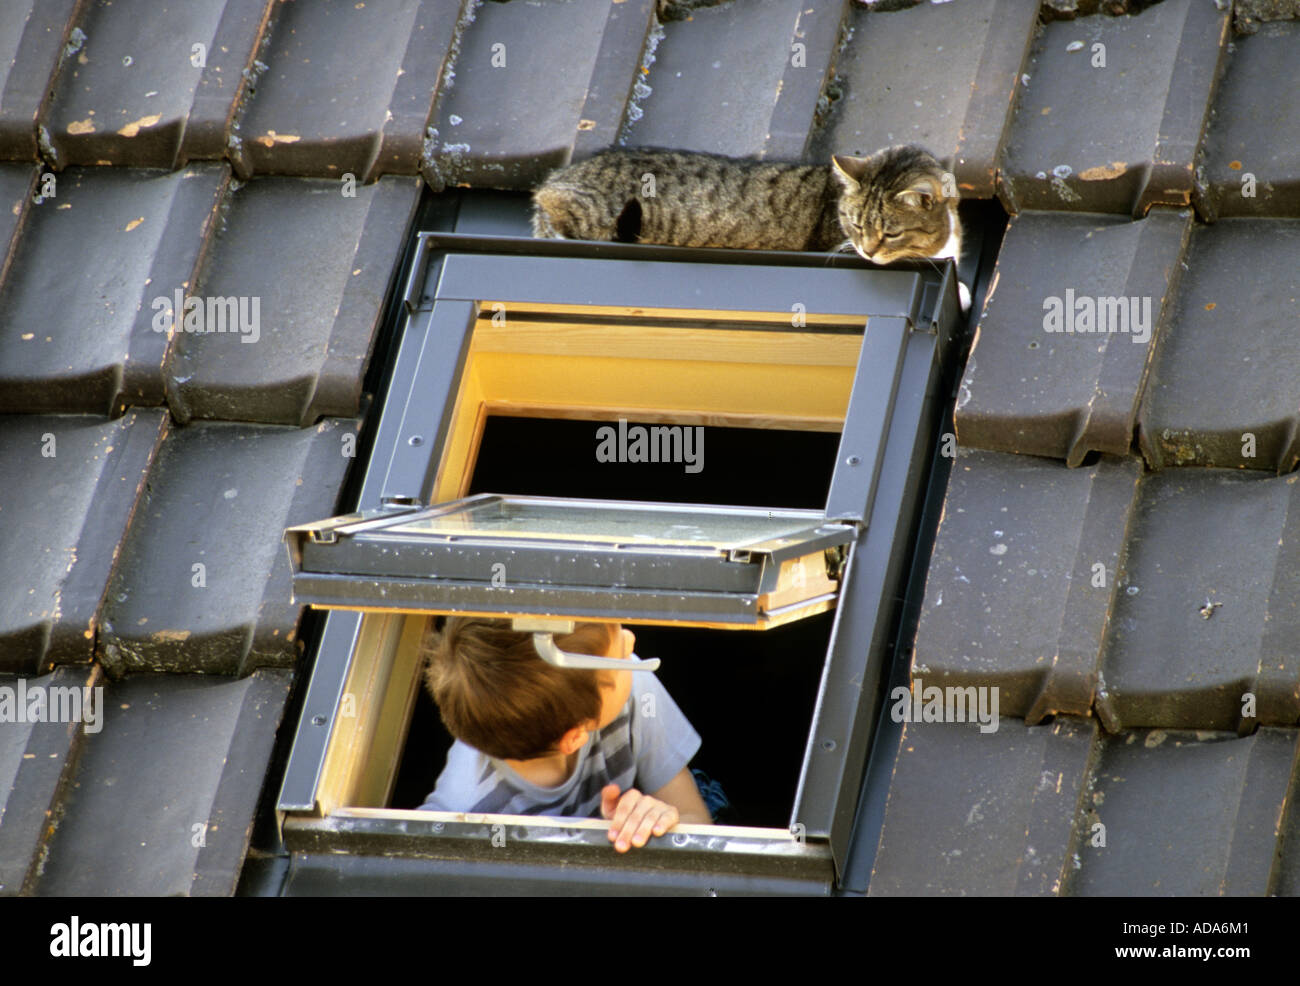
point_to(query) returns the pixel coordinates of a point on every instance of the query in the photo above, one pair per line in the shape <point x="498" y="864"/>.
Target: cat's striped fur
<point x="893" y="205"/>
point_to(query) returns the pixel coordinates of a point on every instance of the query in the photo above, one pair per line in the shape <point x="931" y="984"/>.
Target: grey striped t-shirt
<point x="645" y="747"/>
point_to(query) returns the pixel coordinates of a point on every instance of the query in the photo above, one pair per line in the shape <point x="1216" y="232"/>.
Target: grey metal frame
<point x="882" y="459"/>
<point x="352" y="564"/>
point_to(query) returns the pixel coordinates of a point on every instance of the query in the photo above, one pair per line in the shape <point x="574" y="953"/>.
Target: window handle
<point x="551" y="654"/>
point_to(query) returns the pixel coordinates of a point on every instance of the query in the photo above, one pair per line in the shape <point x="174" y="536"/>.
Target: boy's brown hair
<point x="495" y="693"/>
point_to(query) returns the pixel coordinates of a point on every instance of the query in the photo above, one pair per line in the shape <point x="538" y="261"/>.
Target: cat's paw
<point x="963" y="293"/>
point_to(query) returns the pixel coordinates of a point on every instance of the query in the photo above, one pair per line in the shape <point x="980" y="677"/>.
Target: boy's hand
<point x="634" y="816"/>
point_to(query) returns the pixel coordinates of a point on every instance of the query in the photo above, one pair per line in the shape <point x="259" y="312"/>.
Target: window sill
<point x="580" y="842"/>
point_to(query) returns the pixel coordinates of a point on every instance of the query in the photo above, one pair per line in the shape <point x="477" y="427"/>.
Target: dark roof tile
<point x="348" y="90"/>
<point x="139" y="93"/>
<point x="1210" y="605"/>
<point x="1110" y="627"/>
<point x="615" y="77"/>
<point x="18" y="184"/>
<point x="818" y="34"/>
<point x="1017" y="528"/>
<point x="731" y="80"/>
<point x="1068" y="10"/>
<point x="1224" y="389"/>
<point x="105" y="247"/>
<point x="1187" y="815"/>
<point x="35" y="37"/>
<point x="1081" y="141"/>
<point x="313" y="266"/>
<point x="1248" y="15"/>
<point x="1031" y="386"/>
<point x="1286" y="872"/>
<point x="70" y="486"/>
<point x="1253" y="149"/>
<point x="164" y="799"/>
<point x="943" y="76"/>
<point x="203" y="583"/>
<point x="513" y="105"/>
<point x="987" y="814"/>
<point x="36" y="759"/>
<point x="1063" y="809"/>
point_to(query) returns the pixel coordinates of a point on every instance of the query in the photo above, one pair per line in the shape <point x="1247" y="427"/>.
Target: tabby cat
<point x="888" y="206"/>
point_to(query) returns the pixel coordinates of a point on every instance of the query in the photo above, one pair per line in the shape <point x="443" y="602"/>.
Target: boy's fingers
<point x="626" y="805"/>
<point x="649" y="823"/>
<point x="626" y="821"/>
<point x="636" y="829"/>
<point x="666" y="820"/>
<point x="608" y="799"/>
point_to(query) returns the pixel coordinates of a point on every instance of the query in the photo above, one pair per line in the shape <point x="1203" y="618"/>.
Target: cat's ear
<point x="849" y="170"/>
<point x="920" y="195"/>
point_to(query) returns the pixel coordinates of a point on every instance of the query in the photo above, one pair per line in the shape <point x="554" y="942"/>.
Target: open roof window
<point x="651" y="350"/>
<point x="580" y="559"/>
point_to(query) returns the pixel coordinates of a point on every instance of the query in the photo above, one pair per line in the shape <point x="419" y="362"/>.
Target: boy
<point x="534" y="739"/>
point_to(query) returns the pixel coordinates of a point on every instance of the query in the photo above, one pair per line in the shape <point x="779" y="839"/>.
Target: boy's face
<point x="616" y="686"/>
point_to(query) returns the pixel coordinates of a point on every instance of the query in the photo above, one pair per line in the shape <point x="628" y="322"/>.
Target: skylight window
<point x="624" y="341"/>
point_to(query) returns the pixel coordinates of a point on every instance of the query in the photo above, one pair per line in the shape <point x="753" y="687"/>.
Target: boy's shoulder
<point x="468" y="774"/>
<point x="647" y="695"/>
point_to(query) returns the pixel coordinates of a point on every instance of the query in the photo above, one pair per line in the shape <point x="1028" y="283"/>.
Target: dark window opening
<point x="750" y="695"/>
<point x="747" y="467"/>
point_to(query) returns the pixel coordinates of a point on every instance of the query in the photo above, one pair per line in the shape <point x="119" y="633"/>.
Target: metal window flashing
<point x="924" y="301"/>
<point x="913" y="314"/>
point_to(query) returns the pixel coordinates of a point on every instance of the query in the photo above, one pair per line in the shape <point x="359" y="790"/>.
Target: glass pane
<point x="620" y="523"/>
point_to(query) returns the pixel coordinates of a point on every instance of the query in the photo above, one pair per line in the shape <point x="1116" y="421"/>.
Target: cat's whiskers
<point x="845" y="247"/>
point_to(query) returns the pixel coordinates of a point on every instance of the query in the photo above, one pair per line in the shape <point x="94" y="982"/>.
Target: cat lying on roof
<point x="888" y="206"/>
